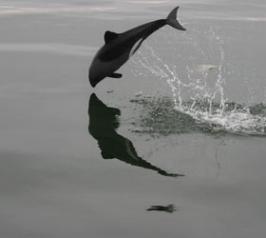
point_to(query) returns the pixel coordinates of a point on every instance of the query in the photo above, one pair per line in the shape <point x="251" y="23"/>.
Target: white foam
<point x="237" y="122"/>
<point x="205" y="104"/>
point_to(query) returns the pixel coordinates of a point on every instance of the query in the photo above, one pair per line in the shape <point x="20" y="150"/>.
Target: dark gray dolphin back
<point x="123" y="43"/>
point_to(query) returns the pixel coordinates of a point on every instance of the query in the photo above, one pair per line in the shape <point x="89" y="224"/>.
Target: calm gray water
<point x="70" y="168"/>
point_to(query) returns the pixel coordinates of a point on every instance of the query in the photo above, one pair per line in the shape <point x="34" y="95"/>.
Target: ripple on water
<point x="159" y="117"/>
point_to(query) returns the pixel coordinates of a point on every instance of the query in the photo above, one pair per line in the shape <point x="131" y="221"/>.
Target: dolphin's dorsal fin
<point x="109" y="36"/>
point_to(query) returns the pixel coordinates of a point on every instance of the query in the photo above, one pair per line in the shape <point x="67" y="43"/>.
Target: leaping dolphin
<point x="119" y="47"/>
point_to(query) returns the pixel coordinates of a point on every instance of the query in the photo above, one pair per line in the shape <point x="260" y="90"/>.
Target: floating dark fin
<point x="169" y="208"/>
<point x="115" y="75"/>
<point x="109" y="36"/>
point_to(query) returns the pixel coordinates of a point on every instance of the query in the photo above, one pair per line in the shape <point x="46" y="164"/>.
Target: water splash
<point x="200" y="91"/>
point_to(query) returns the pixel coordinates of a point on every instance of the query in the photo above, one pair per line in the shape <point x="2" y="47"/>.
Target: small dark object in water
<point x="169" y="208"/>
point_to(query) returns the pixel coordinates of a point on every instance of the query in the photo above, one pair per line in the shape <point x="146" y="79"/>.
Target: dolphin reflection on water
<point x="119" y="47"/>
<point x="102" y="126"/>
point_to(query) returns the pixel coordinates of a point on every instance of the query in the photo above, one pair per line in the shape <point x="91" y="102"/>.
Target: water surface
<point x="78" y="162"/>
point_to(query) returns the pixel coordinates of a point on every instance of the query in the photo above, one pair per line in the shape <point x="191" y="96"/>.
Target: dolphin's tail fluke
<point x="171" y="20"/>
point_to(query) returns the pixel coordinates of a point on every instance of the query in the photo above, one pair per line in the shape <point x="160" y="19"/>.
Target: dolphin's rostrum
<point x="119" y="47"/>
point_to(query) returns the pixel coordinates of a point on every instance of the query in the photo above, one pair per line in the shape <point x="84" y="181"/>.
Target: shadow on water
<point x="102" y="126"/>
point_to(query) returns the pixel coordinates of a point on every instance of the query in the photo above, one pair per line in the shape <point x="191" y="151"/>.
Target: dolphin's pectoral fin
<point x="115" y="75"/>
<point x="136" y="47"/>
<point x="134" y="51"/>
<point x="109" y="36"/>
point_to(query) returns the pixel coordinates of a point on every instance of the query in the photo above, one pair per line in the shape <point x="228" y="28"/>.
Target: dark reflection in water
<point x="102" y="126"/>
<point x="168" y="208"/>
